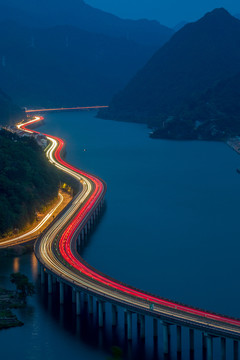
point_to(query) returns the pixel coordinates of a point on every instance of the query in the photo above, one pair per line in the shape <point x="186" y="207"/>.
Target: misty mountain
<point x="64" y="65"/>
<point x="9" y="112"/>
<point x="195" y="59"/>
<point x="48" y="13"/>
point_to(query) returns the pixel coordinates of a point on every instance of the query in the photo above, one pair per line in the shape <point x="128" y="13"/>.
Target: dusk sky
<point x="167" y="12"/>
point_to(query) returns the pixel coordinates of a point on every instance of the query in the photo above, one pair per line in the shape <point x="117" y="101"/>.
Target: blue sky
<point x="167" y="12"/>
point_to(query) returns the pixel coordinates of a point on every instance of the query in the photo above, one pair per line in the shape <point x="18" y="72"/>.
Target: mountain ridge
<point x="86" y="17"/>
<point x="196" y="58"/>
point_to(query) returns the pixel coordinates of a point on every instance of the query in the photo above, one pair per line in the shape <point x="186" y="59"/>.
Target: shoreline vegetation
<point x="29" y="184"/>
<point x="8" y="301"/>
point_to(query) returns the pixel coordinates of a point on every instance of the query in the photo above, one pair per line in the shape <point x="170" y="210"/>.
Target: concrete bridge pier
<point x="114" y="315"/>
<point x="223" y="349"/>
<point x="79" y="241"/>
<point x="86" y="230"/>
<point x="92" y="220"/>
<point x="42" y="275"/>
<point x="142" y="327"/>
<point x="191" y="340"/>
<point x="179" y="339"/>
<point x="61" y="292"/>
<point x="204" y="345"/>
<point x="235" y="350"/>
<point x="82" y="235"/>
<point x="50" y="284"/>
<point x="100" y="313"/>
<point x="155" y="328"/>
<point x="73" y="296"/>
<point x="129" y="325"/>
<point x="90" y="304"/>
<point x="85" y="298"/>
<point x="166" y="338"/>
<point x="89" y="224"/>
<point x="209" y="340"/>
<point x="78" y="303"/>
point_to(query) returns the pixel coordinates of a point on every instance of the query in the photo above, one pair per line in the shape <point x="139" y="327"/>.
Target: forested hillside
<point x="189" y="88"/>
<point x="27" y="181"/>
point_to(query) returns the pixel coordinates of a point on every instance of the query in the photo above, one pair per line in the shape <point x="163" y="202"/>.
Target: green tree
<point x="24" y="287"/>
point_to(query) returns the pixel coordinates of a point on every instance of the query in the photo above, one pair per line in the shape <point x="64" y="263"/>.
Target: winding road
<point x="56" y="250"/>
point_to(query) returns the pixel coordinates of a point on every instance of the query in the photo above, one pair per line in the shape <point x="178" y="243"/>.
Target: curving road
<point x="56" y="250"/>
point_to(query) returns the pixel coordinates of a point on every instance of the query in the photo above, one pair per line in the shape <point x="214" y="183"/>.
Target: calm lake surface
<point x="171" y="227"/>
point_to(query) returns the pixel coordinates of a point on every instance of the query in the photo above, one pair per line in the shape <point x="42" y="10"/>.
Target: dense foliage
<point x="27" y="181"/>
<point x="24" y="287"/>
<point x="178" y="92"/>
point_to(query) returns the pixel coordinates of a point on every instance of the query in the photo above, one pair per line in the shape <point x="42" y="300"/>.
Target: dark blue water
<point x="171" y="225"/>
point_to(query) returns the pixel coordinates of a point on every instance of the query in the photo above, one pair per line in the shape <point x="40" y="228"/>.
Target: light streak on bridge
<point x="67" y="109"/>
<point x="56" y="251"/>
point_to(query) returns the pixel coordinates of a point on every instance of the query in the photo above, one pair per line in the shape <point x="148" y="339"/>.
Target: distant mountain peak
<point x="197" y="57"/>
<point x="218" y="14"/>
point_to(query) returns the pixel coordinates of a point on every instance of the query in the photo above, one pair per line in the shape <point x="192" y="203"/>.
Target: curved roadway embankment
<point x="56" y="251"/>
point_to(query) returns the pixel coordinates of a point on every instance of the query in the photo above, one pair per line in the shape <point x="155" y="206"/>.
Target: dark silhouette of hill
<point x="9" y="112"/>
<point x="64" y="65"/>
<point x="77" y="13"/>
<point x="195" y="59"/>
<point x="180" y="25"/>
<point x="215" y="114"/>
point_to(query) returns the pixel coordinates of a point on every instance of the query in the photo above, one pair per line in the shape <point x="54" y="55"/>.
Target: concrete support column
<point x="155" y="328"/>
<point x="85" y="298"/>
<point x="89" y="224"/>
<point x="42" y="275"/>
<point x="191" y="340"/>
<point x="79" y="240"/>
<point x="61" y="292"/>
<point x="86" y="229"/>
<point x="82" y="234"/>
<point x="90" y="304"/>
<point x="209" y="347"/>
<point x="235" y="350"/>
<point x="78" y="303"/>
<point x="166" y="338"/>
<point x="142" y="326"/>
<point x="92" y="220"/>
<point x="129" y="325"/>
<point x="223" y="349"/>
<point x="114" y="315"/>
<point x="73" y="296"/>
<point x="50" y="285"/>
<point x="100" y="313"/>
<point x="125" y="318"/>
<point x="204" y="344"/>
<point x="179" y="339"/>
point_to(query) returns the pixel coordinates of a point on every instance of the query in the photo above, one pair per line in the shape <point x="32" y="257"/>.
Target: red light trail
<point x="78" y="222"/>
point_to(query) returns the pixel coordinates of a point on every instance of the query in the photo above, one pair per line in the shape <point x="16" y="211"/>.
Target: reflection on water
<point x="171" y="209"/>
<point x="34" y="266"/>
<point x="16" y="264"/>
